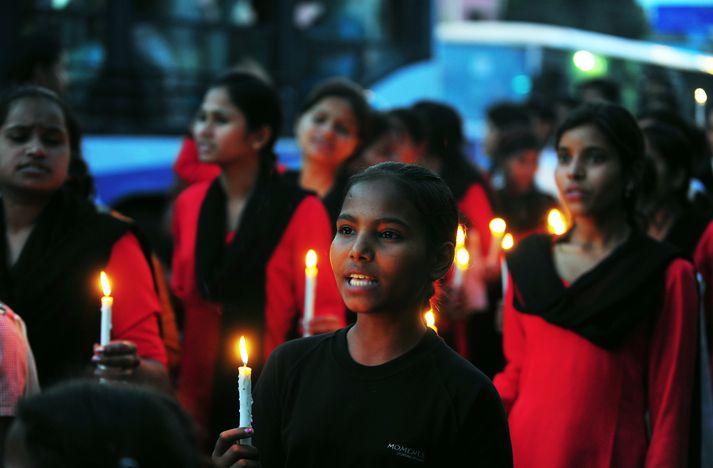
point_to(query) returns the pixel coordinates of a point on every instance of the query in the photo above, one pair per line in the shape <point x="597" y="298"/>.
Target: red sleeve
<point x="136" y="309"/>
<point x="476" y="206"/>
<point x="189" y="169"/>
<point x="672" y="357"/>
<point x="508" y="381"/>
<point x="309" y="228"/>
<point x="13" y="363"/>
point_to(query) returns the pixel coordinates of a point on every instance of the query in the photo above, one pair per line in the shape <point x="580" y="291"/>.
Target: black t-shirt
<point x="315" y="406"/>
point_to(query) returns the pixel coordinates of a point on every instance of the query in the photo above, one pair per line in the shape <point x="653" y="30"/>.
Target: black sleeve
<point x="267" y="414"/>
<point x="485" y="438"/>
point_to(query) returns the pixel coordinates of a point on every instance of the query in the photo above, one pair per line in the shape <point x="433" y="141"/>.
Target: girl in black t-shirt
<point x="329" y="400"/>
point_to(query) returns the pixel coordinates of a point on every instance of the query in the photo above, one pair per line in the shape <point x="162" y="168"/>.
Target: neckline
<point x="340" y="351"/>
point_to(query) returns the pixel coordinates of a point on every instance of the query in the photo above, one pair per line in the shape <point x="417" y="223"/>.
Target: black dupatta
<point x="605" y="303"/>
<point x="234" y="275"/>
<point x="53" y="285"/>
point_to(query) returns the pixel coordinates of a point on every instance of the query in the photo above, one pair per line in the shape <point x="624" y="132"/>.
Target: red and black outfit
<point x="589" y="363"/>
<point x="249" y="282"/>
<point x="54" y="286"/>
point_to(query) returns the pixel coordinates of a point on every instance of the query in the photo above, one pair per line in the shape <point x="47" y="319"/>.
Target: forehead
<point x="381" y="198"/>
<point x="219" y="98"/>
<point x="335" y="106"/>
<point x="584" y="135"/>
<point x="31" y="111"/>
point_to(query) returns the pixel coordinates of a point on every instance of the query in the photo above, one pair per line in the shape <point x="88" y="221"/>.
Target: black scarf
<point x="605" y="303"/>
<point x="234" y="276"/>
<point x="687" y="231"/>
<point x="53" y="285"/>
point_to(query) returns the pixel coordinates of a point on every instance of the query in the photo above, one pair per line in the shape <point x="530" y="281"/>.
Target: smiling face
<point x="589" y="174"/>
<point x="34" y="148"/>
<point x="380" y="255"/>
<point x="221" y="130"/>
<point x="327" y="133"/>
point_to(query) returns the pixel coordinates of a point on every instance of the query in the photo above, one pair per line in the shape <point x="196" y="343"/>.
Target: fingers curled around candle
<point x="228" y="452"/>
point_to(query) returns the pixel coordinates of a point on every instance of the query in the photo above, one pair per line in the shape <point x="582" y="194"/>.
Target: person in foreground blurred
<point x="92" y="425"/>
<point x="601" y="322"/>
<point x="417" y="401"/>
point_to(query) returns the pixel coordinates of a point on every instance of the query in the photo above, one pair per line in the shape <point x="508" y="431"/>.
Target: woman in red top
<point x="240" y="245"/>
<point x="56" y="244"/>
<point x="600" y="323"/>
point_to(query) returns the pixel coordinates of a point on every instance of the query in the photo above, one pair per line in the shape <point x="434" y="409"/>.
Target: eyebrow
<point x="385" y="220"/>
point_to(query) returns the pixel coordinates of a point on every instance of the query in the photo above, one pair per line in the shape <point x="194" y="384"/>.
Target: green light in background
<point x="589" y="64"/>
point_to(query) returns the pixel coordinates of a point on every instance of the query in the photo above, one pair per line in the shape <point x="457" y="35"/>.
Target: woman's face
<point x="520" y="170"/>
<point x="380" y="255"/>
<point x="221" y="130"/>
<point x="328" y="133"/>
<point x="589" y="174"/>
<point x="34" y="148"/>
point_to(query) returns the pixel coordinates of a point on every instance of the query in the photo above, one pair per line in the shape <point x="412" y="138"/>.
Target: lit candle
<point x="310" y="286"/>
<point x="462" y="260"/>
<point x="701" y="98"/>
<point x="245" y="397"/>
<point x="507" y="243"/>
<point x="107" y="301"/>
<point x="556" y="223"/>
<point x="497" y="230"/>
<point x="430" y="319"/>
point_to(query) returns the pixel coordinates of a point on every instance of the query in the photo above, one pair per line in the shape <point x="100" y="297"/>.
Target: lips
<point x="575" y="193"/>
<point x="205" y="148"/>
<point x="33" y="168"/>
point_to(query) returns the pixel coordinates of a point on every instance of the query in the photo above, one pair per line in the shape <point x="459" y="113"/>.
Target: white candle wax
<point x="105" y="335"/>
<point x="245" y="399"/>
<point x="457" y="278"/>
<point x="310" y="289"/>
<point x="504" y="274"/>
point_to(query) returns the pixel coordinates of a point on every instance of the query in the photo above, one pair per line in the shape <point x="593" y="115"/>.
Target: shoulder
<point x="461" y="378"/>
<point x="310" y="207"/>
<point x="679" y="270"/>
<point x="194" y="193"/>
<point x="292" y="354"/>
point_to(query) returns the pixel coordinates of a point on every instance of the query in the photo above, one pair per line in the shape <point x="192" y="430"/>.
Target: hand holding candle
<point x="310" y="287"/>
<point x="245" y="398"/>
<point x="107" y="301"/>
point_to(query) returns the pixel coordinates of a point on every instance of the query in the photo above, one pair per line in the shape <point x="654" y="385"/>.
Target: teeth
<point x="361" y="281"/>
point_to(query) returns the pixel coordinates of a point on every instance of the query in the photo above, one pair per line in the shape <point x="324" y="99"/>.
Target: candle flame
<point x="700" y="96"/>
<point x="243" y="350"/>
<point x="460" y="236"/>
<point x="508" y="242"/>
<point x="106" y="286"/>
<point x="497" y="226"/>
<point x="311" y="259"/>
<point x="555" y="222"/>
<point x="462" y="258"/>
<point x="430" y="319"/>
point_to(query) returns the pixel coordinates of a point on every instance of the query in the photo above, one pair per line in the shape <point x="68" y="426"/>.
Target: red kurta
<point x="136" y="309"/>
<point x="309" y="228"/>
<point x="574" y="404"/>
